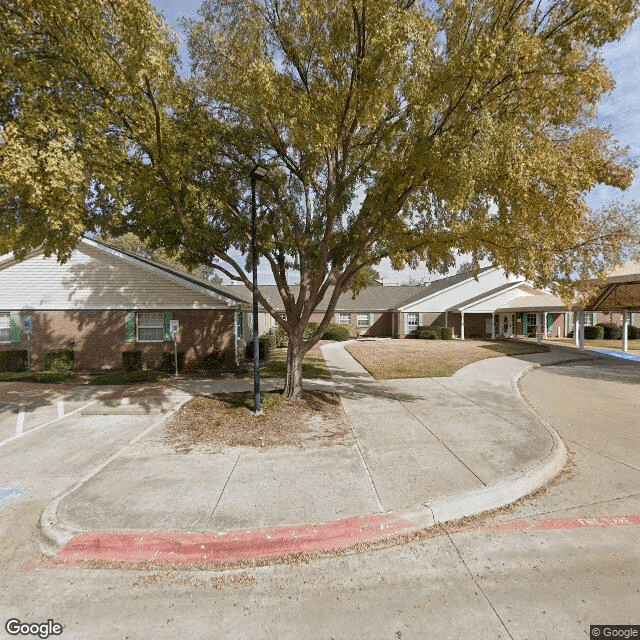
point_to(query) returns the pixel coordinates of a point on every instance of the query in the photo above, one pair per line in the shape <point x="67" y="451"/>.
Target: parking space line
<point x="20" y="422"/>
<point x="60" y="408"/>
<point x="46" y="424"/>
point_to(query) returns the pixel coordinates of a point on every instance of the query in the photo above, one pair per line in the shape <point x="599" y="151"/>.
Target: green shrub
<point x="611" y="330"/>
<point x="282" y="339"/>
<point x="446" y="333"/>
<point x="310" y="329"/>
<point x="264" y="348"/>
<point x="59" y="360"/>
<point x="633" y="333"/>
<point x="128" y="377"/>
<point x="169" y="361"/>
<point x="132" y="360"/>
<point x="594" y="333"/>
<point x="48" y="377"/>
<point x="338" y="332"/>
<point x="428" y="333"/>
<point x="269" y="338"/>
<point x="14" y="360"/>
<point x="214" y="360"/>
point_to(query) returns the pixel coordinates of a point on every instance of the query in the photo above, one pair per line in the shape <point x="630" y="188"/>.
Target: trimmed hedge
<point x="264" y="348"/>
<point x="338" y="332"/>
<point x="214" y="360"/>
<point x="310" y="329"/>
<point x="434" y="333"/>
<point x="611" y="330"/>
<point x="594" y="333"/>
<point x="52" y="377"/>
<point x="132" y="360"/>
<point x="128" y="377"/>
<point x="59" y="360"/>
<point x="14" y="360"/>
<point x="169" y="362"/>
<point x="282" y="339"/>
<point x="633" y="333"/>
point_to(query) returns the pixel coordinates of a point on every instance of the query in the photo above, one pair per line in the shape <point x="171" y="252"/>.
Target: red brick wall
<point x="380" y="324"/>
<point x="97" y="337"/>
<point x="475" y="324"/>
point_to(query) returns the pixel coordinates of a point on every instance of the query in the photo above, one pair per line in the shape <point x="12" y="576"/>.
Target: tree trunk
<point x="293" y="376"/>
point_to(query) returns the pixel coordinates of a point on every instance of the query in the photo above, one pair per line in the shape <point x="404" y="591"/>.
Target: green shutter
<point x="15" y="327"/>
<point x="129" y="326"/>
<point x="525" y="324"/>
<point x="168" y="316"/>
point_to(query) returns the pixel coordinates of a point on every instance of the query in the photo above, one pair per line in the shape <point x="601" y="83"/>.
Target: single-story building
<point x="104" y="301"/>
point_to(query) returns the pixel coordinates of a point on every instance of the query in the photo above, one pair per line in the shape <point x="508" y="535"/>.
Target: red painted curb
<point x="559" y="523"/>
<point x="228" y="547"/>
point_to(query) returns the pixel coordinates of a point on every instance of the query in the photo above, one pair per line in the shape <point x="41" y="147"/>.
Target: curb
<point x="182" y="547"/>
<point x="52" y="533"/>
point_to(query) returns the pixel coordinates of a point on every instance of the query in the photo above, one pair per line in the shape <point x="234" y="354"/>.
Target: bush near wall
<point x="59" y="360"/>
<point x="611" y="330"/>
<point x="339" y="332"/>
<point x="132" y="360"/>
<point x="15" y="360"/>
<point x="633" y="333"/>
<point x="169" y="361"/>
<point x="264" y="348"/>
<point x="282" y="339"/>
<point x="434" y="333"/>
<point x="594" y="333"/>
<point x="214" y="361"/>
<point x="310" y="329"/>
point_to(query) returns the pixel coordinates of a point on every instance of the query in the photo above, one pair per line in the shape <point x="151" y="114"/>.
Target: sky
<point x="620" y="110"/>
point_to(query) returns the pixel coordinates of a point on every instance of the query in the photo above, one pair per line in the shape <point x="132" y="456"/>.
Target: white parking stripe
<point x="60" y="408"/>
<point x="20" y="422"/>
<point x="46" y="424"/>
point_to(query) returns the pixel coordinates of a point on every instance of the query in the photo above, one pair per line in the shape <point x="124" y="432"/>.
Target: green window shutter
<point x="168" y="316"/>
<point x="525" y="324"/>
<point x="129" y="326"/>
<point x="15" y="327"/>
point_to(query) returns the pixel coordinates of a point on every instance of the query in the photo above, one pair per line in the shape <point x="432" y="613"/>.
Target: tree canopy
<point x="408" y="130"/>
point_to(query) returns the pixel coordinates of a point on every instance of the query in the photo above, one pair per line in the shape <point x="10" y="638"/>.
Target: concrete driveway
<point x="546" y="569"/>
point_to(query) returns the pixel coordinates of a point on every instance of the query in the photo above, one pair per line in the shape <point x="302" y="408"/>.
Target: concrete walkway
<point x="422" y="451"/>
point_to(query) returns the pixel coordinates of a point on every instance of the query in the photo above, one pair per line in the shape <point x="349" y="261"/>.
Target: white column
<point x="581" y="343"/>
<point x="544" y="326"/>
<point x="539" y="328"/>
<point x="446" y="318"/>
<point x="462" y="325"/>
<point x="577" y="316"/>
<point x="493" y="326"/>
<point x="625" y="331"/>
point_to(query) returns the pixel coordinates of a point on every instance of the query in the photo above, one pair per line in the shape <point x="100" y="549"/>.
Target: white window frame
<point x="364" y="320"/>
<point x="154" y="326"/>
<point x="408" y="321"/>
<point x="343" y="318"/>
<point x="7" y="327"/>
<point x="531" y="323"/>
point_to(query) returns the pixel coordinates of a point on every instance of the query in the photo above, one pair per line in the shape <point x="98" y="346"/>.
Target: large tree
<point x="409" y="130"/>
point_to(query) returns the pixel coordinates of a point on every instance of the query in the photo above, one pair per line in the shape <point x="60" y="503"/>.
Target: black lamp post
<point x="257" y="174"/>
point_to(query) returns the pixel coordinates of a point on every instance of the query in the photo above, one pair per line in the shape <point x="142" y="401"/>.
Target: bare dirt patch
<point x="225" y="420"/>
<point x="390" y="359"/>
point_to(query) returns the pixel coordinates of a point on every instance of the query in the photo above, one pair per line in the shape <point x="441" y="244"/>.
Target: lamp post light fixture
<point x="258" y="173"/>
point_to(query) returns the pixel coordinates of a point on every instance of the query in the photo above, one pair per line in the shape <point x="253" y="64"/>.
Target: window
<point x="364" y="319"/>
<point x="344" y="318"/>
<point x="532" y="320"/>
<point x="413" y="320"/>
<point x="5" y="327"/>
<point x="587" y="319"/>
<point x="150" y="327"/>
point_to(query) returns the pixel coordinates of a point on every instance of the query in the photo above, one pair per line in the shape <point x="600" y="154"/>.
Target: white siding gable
<point x="93" y="279"/>
<point x="498" y="300"/>
<point x="450" y="298"/>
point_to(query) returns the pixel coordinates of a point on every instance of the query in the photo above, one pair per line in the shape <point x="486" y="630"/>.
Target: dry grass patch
<point x="225" y="420"/>
<point x="390" y="359"/>
<point x="616" y="345"/>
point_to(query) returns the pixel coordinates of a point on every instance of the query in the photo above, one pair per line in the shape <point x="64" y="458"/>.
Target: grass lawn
<point x="634" y="345"/>
<point x="430" y="358"/>
<point x="54" y="377"/>
<point x="313" y="365"/>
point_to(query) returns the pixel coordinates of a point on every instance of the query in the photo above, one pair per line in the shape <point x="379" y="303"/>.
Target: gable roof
<point x="487" y="295"/>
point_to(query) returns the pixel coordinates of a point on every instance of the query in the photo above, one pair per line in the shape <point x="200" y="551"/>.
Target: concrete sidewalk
<point x="422" y="451"/>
